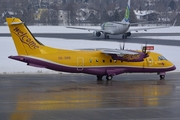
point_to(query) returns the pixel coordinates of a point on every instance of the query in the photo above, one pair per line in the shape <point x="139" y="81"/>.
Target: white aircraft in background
<point x="117" y="28"/>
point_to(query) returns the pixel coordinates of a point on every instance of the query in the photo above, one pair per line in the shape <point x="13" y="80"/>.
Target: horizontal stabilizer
<point x="16" y="23"/>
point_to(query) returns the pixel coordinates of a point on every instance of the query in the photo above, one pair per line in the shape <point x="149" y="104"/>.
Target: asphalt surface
<point x="81" y="97"/>
<point x="118" y="38"/>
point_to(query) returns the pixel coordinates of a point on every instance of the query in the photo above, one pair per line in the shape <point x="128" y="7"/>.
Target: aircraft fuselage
<point x="115" y="28"/>
<point x="96" y="63"/>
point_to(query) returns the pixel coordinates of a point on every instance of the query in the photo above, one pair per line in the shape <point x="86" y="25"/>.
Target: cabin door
<point x="80" y="63"/>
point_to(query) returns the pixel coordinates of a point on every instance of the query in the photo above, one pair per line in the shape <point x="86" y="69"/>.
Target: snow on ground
<point x="161" y="37"/>
<point x="63" y="29"/>
<point x="7" y="48"/>
<point x="11" y="66"/>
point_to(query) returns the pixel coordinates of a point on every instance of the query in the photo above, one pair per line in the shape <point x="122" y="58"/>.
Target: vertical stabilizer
<point x="127" y="13"/>
<point x="24" y="41"/>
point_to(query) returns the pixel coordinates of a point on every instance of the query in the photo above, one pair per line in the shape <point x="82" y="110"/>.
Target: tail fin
<point x="127" y="13"/>
<point x="24" y="41"/>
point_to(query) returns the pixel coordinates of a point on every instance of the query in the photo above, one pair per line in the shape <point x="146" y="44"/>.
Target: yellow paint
<point x="26" y="45"/>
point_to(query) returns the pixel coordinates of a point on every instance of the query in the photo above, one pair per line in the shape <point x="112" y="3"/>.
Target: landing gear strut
<point x="109" y="77"/>
<point x="124" y="36"/>
<point x="106" y="36"/>
<point x="162" y="77"/>
<point x="99" y="77"/>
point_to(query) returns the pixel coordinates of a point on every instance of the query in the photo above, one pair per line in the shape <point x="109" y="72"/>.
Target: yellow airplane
<point x="99" y="62"/>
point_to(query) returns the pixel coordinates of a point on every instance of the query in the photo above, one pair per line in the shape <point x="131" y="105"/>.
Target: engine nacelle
<point x="128" y="34"/>
<point x="96" y="34"/>
<point x="139" y="57"/>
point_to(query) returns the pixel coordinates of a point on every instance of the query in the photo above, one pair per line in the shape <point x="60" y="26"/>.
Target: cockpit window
<point x="161" y="58"/>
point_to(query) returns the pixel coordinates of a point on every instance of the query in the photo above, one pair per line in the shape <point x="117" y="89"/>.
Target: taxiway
<point x="79" y="97"/>
<point x="135" y="38"/>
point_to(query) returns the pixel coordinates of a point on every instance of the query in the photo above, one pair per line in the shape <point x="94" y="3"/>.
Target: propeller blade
<point x="120" y="47"/>
<point x="144" y="49"/>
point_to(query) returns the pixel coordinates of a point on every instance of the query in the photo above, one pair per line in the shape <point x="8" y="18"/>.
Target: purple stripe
<point x="90" y="70"/>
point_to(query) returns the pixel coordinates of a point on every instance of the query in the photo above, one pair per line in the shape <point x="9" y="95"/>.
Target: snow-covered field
<point x="62" y="29"/>
<point x="7" y="48"/>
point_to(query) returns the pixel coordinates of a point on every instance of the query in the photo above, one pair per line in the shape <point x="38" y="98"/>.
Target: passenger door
<point x="80" y="64"/>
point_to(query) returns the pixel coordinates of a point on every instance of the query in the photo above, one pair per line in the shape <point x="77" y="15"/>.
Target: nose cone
<point x="173" y="67"/>
<point x="170" y="66"/>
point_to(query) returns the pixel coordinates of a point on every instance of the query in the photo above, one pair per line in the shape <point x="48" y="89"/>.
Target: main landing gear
<point x="99" y="77"/>
<point x="108" y="77"/>
<point x="124" y="36"/>
<point x="106" y="36"/>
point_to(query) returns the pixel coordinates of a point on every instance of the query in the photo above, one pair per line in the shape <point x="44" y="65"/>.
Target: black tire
<point x="106" y="36"/>
<point x="124" y="36"/>
<point x="162" y="77"/>
<point x="99" y="77"/>
<point x="109" y="77"/>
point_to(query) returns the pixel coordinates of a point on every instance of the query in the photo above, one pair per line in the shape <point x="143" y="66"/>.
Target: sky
<point x="7" y="48"/>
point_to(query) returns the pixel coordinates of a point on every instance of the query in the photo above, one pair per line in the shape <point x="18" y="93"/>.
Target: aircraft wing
<point x="118" y="52"/>
<point x="125" y="55"/>
<point x="146" y="28"/>
<point x="91" y="29"/>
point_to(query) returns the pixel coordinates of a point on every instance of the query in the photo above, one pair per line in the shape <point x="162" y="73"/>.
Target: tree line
<point x="25" y="9"/>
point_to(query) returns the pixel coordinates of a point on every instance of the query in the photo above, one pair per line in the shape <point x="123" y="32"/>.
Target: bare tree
<point x="71" y="8"/>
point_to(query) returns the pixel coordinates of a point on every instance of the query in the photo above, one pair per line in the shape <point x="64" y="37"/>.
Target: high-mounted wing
<point x="125" y="55"/>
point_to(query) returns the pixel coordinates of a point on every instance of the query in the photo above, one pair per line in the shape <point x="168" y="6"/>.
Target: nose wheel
<point x="109" y="77"/>
<point x="162" y="77"/>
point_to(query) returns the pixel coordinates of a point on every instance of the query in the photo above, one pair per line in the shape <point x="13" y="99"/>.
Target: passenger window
<point x="110" y="61"/>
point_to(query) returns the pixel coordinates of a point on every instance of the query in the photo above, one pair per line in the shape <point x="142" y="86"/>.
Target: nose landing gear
<point x="108" y="77"/>
<point x="162" y="77"/>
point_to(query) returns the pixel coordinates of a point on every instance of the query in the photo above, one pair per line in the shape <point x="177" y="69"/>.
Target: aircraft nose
<point x="173" y="67"/>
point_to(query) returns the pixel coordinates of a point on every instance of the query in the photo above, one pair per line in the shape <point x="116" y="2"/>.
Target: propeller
<point x="122" y="48"/>
<point x="144" y="50"/>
